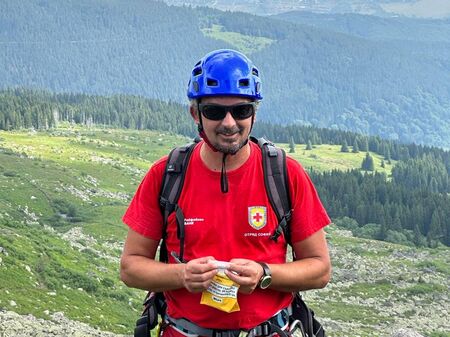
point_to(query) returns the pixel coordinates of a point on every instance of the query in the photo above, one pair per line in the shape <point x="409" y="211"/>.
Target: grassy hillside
<point x="62" y="194"/>
<point x="327" y="157"/>
<point x="245" y="43"/>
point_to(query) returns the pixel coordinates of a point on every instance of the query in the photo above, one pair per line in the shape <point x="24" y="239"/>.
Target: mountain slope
<point x="63" y="191"/>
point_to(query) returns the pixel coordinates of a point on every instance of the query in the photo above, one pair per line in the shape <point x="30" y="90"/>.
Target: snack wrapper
<point x="222" y="292"/>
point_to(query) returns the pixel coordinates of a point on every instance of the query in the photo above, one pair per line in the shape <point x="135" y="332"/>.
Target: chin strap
<point x="202" y="134"/>
<point x="223" y="176"/>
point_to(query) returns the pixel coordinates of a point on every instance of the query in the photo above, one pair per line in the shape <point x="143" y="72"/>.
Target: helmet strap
<point x="223" y="176"/>
<point x="201" y="131"/>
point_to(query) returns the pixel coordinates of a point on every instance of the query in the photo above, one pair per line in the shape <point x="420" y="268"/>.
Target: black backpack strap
<point x="276" y="181"/>
<point x="171" y="187"/>
<point x="310" y="326"/>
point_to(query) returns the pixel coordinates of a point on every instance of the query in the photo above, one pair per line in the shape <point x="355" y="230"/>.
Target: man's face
<point x="227" y="135"/>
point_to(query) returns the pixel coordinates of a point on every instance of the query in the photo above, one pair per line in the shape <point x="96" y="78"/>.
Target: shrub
<point x="368" y="231"/>
<point x="347" y="223"/>
<point x="10" y="174"/>
<point x="67" y="211"/>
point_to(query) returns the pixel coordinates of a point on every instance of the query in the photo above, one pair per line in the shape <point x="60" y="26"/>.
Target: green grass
<point x="244" y="43"/>
<point x="329" y="157"/>
<point x="370" y="290"/>
<point x="42" y="273"/>
<point x="350" y="313"/>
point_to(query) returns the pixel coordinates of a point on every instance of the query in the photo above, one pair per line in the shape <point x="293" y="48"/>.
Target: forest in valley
<point x="378" y="76"/>
<point x="412" y="206"/>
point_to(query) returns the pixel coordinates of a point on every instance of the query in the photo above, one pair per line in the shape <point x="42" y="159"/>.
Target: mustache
<point x="228" y="131"/>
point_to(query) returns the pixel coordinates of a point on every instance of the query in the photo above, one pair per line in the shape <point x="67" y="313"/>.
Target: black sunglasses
<point x="217" y="112"/>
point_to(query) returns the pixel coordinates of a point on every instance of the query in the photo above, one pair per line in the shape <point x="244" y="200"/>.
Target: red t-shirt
<point x="230" y="225"/>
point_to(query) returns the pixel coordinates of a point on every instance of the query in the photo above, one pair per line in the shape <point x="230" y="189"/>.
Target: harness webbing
<point x="279" y="323"/>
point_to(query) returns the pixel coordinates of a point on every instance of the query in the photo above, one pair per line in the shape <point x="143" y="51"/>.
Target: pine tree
<point x="344" y="147"/>
<point x="355" y="146"/>
<point x="365" y="145"/>
<point x="367" y="163"/>
<point x="309" y="145"/>
<point x="387" y="154"/>
<point x="292" y="145"/>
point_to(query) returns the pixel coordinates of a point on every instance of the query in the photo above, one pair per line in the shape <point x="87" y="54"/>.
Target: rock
<point x="15" y="325"/>
<point x="12" y="303"/>
<point x="406" y="333"/>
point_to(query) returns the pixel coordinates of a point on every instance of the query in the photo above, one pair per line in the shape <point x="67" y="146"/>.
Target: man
<point x="224" y="184"/>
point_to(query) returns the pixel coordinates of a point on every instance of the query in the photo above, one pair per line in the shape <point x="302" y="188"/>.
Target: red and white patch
<point x="257" y="216"/>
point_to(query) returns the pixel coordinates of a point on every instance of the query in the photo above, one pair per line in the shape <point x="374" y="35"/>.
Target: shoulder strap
<point x="171" y="187"/>
<point x="276" y="182"/>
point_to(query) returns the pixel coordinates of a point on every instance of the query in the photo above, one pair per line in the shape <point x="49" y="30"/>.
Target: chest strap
<point x="276" y="324"/>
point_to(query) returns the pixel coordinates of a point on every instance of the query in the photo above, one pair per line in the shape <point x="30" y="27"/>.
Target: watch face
<point x="265" y="282"/>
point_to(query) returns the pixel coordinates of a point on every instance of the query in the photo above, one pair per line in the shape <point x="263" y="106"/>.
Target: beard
<point x="230" y="146"/>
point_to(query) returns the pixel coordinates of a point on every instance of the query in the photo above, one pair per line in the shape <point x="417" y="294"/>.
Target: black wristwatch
<point x="266" y="278"/>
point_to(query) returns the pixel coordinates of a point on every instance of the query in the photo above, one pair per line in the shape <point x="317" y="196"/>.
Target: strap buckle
<point x="227" y="333"/>
<point x="264" y="329"/>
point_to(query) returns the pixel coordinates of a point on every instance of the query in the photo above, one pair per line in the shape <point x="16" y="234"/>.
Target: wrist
<point x="266" y="278"/>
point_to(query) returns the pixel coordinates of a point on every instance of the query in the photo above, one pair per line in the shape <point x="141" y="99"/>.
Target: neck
<point x="213" y="160"/>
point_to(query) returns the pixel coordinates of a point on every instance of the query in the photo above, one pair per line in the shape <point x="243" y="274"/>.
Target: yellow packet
<point x="221" y="294"/>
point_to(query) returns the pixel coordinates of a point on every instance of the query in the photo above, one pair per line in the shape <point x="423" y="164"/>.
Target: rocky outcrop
<point x="15" y="325"/>
<point x="406" y="333"/>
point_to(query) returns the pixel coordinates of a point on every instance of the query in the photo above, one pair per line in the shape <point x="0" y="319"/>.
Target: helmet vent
<point x="244" y="82"/>
<point x="255" y="72"/>
<point x="212" y="82"/>
<point x="197" y="71"/>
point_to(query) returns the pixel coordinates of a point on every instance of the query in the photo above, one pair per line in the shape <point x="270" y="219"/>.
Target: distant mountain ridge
<point x="396" y="88"/>
<point x="374" y="27"/>
<point x="384" y="8"/>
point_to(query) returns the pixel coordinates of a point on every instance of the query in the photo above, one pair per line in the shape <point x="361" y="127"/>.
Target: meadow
<point x="63" y="192"/>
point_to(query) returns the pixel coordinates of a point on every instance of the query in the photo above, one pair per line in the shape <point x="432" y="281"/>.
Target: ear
<point x="194" y="113"/>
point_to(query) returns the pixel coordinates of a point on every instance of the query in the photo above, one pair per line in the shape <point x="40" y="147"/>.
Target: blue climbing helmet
<point x="224" y="72"/>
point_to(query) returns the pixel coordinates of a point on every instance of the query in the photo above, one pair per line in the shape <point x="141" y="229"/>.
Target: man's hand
<point x="246" y="273"/>
<point x="198" y="273"/>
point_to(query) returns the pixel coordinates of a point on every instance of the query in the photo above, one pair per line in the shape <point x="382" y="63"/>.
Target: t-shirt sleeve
<point x="308" y="215"/>
<point x="143" y="214"/>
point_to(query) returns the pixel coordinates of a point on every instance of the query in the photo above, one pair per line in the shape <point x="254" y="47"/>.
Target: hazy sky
<point x="421" y="8"/>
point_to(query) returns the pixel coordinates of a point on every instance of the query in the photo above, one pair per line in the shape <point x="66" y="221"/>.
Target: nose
<point x="228" y="119"/>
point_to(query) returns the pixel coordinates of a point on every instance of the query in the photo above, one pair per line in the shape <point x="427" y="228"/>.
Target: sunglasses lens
<point x="242" y="111"/>
<point x="213" y="112"/>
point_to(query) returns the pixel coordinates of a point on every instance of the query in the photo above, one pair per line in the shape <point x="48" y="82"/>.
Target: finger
<point x="239" y="269"/>
<point x="201" y="277"/>
<point x="194" y="286"/>
<point x="241" y="262"/>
